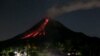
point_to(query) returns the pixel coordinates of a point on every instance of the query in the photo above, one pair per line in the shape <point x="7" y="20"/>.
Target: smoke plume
<point x="73" y="6"/>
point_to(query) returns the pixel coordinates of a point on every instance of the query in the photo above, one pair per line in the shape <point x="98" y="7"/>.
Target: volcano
<point x="47" y="28"/>
<point x="53" y="32"/>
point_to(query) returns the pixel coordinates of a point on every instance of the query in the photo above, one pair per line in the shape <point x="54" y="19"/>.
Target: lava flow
<point x="38" y="31"/>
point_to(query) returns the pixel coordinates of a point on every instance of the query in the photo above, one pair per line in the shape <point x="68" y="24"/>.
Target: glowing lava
<point x="38" y="31"/>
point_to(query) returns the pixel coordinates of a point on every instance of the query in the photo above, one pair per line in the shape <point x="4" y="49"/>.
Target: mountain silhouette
<point x="53" y="32"/>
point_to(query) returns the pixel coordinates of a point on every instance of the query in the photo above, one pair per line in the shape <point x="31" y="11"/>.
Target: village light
<point x="68" y="54"/>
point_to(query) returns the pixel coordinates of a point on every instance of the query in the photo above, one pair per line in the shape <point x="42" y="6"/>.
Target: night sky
<point x="17" y="16"/>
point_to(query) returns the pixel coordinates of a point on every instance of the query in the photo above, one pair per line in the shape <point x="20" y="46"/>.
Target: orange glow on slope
<point x="39" y="31"/>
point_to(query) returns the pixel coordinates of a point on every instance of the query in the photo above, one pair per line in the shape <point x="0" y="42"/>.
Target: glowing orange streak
<point x="39" y="30"/>
<point x="43" y="25"/>
<point x="30" y="35"/>
<point x="35" y="34"/>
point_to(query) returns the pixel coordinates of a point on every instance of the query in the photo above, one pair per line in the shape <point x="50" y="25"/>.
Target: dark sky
<point x="17" y="16"/>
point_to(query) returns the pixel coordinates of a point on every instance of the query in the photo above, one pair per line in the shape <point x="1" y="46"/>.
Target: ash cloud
<point x="57" y="10"/>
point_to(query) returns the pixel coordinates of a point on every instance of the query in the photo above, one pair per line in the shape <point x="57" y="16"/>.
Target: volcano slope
<point x="50" y="38"/>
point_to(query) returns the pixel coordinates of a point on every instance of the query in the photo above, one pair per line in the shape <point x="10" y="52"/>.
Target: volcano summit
<point x="51" y="36"/>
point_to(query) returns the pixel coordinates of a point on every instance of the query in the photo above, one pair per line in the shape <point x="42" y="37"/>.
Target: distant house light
<point x="68" y="54"/>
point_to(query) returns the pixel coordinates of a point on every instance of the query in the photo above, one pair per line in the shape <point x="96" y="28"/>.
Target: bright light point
<point x="15" y="52"/>
<point x="68" y="54"/>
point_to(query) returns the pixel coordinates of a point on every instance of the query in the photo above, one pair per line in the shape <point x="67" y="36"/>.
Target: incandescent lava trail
<point x="39" y="31"/>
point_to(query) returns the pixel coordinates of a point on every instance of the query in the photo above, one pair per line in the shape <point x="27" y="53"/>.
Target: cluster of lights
<point x="20" y="54"/>
<point x="77" y="54"/>
<point x="44" y="52"/>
